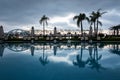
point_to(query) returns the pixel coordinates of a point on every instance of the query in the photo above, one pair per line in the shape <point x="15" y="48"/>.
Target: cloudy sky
<point x="26" y="13"/>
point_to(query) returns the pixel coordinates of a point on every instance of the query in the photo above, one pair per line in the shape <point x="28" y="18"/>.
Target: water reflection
<point x="79" y="62"/>
<point x="94" y="58"/>
<point x="32" y="48"/>
<point x="55" y="49"/>
<point x="115" y="49"/>
<point x="43" y="59"/>
<point x="82" y="55"/>
<point x="18" y="47"/>
<point x="1" y="50"/>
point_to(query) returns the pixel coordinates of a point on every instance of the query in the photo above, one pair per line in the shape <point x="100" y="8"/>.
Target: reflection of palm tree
<point x="115" y="49"/>
<point x="43" y="59"/>
<point x="44" y="22"/>
<point x="80" y="19"/>
<point x="79" y="62"/>
<point x="94" y="58"/>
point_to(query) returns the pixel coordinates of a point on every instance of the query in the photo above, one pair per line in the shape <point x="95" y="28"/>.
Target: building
<point x="32" y="32"/>
<point x="1" y="32"/>
<point x="55" y="31"/>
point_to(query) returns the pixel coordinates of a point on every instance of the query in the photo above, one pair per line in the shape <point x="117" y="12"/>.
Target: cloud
<point x="63" y="20"/>
<point x="17" y="13"/>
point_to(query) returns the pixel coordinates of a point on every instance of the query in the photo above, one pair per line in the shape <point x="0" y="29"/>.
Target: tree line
<point x="93" y="21"/>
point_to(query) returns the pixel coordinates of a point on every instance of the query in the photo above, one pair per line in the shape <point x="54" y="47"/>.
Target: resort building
<point x="1" y="32"/>
<point x="32" y="32"/>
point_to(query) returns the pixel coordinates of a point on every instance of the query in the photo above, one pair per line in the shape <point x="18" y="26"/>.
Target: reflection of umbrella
<point x="32" y="50"/>
<point x="1" y="50"/>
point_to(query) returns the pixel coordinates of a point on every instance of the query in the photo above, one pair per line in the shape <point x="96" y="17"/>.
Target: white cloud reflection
<point x="64" y="59"/>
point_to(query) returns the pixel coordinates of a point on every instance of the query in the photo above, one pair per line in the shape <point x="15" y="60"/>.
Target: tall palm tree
<point x="98" y="15"/>
<point x="95" y="19"/>
<point x="43" y="21"/>
<point x="80" y="19"/>
<point x="92" y="19"/>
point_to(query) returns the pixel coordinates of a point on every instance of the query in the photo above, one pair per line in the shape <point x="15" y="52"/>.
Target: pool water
<point x="61" y="61"/>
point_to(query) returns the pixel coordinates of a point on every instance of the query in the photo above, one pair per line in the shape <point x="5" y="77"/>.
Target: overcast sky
<point x="26" y="13"/>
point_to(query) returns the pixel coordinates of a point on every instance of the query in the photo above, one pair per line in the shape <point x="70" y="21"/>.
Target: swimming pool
<point x="60" y="61"/>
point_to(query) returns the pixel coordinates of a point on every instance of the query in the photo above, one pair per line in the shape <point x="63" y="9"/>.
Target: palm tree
<point x="98" y="15"/>
<point x="80" y="19"/>
<point x="92" y="19"/>
<point x="43" y="21"/>
<point x="95" y="19"/>
<point x="116" y="29"/>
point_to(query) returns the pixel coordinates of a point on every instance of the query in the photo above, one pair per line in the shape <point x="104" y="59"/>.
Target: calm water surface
<point x="70" y="61"/>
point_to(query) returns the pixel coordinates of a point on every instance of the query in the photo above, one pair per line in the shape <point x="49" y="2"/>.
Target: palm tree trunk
<point x="90" y="31"/>
<point x="97" y="28"/>
<point x="43" y="28"/>
<point x="94" y="28"/>
<point x="117" y="32"/>
<point x="114" y="32"/>
<point x="81" y="29"/>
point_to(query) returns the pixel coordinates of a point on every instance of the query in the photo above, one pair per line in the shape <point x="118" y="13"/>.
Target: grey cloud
<point x="29" y="11"/>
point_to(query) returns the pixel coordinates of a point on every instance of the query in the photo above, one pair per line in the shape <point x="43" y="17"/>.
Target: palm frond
<point x="88" y="19"/>
<point x="78" y="22"/>
<point x="75" y="17"/>
<point x="43" y="19"/>
<point x="46" y="23"/>
<point x="99" y="10"/>
<point x="40" y="21"/>
<point x="100" y="23"/>
<point x="103" y="13"/>
<point x="93" y="13"/>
